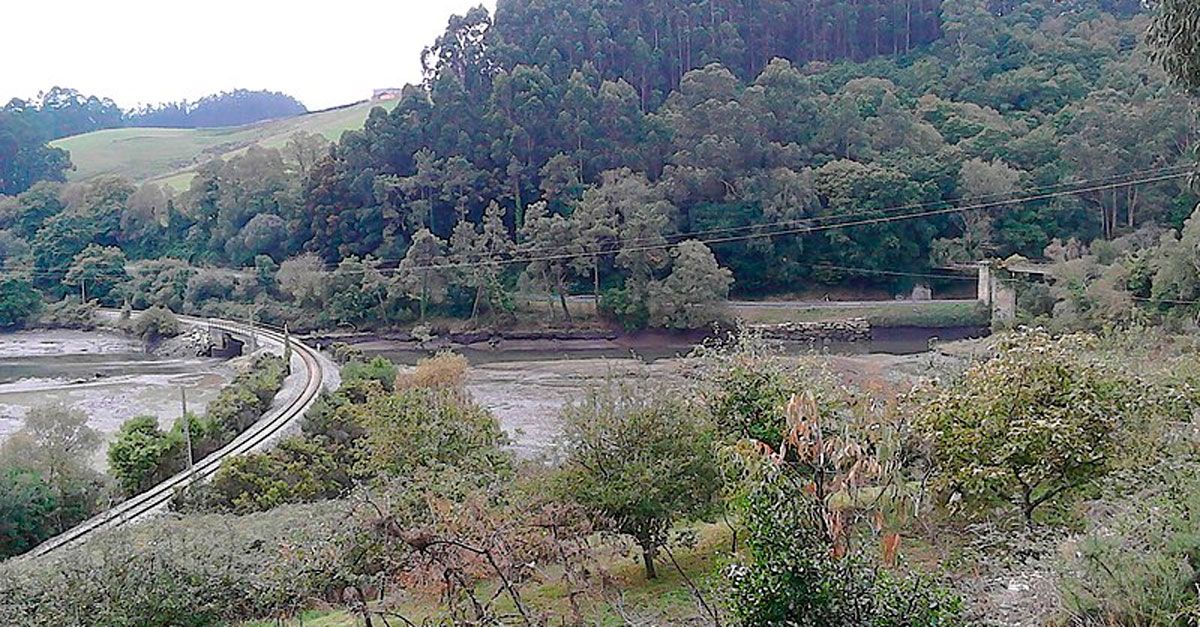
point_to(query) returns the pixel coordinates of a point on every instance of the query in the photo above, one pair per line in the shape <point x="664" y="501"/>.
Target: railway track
<point x="269" y="426"/>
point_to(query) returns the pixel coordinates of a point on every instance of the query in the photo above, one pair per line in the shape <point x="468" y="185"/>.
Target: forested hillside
<point x="574" y="146"/>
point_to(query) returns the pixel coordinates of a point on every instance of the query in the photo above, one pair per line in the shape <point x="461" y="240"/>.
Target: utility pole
<point x="287" y="349"/>
<point x="253" y="333"/>
<point x="187" y="426"/>
<point x="83" y="290"/>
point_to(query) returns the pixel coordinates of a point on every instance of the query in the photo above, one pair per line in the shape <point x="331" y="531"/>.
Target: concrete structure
<point x="997" y="285"/>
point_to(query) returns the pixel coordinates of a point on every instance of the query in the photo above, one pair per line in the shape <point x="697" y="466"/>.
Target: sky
<point x="324" y="52"/>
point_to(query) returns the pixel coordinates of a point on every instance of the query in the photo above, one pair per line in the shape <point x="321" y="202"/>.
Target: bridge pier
<point x="996" y="292"/>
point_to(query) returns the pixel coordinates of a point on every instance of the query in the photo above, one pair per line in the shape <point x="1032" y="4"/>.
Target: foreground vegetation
<point x="48" y="483"/>
<point x="730" y="499"/>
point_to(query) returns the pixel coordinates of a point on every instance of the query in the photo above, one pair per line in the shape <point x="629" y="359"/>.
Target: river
<point x="104" y="374"/>
<point x="110" y="378"/>
<point x="526" y="387"/>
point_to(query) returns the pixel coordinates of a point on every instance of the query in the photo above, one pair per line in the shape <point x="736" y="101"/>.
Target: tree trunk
<point x="424" y="293"/>
<point x="648" y="562"/>
<point x="562" y="300"/>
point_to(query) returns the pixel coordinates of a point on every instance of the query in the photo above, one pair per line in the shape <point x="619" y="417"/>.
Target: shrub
<point x="435" y="430"/>
<point x="1031" y="425"/>
<point x="790" y="575"/>
<point x="378" y="369"/>
<point x="26" y="507"/>
<point x="69" y="313"/>
<point x="192" y="572"/>
<point x="1140" y="564"/>
<point x="244" y="401"/>
<point x="626" y="308"/>
<point x="142" y="455"/>
<point x="156" y="323"/>
<point x="444" y="371"/>
<point x="641" y="458"/>
<point x="298" y="470"/>
<point x="811" y="509"/>
<point x="19" y="303"/>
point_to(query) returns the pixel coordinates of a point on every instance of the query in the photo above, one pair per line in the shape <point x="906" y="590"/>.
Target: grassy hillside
<point x="169" y="156"/>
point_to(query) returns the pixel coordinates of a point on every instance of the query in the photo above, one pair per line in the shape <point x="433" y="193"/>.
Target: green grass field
<point x="933" y="314"/>
<point x="170" y="156"/>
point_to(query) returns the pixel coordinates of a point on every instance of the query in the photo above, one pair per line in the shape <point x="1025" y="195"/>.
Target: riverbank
<point x="527" y="383"/>
<point x="103" y="373"/>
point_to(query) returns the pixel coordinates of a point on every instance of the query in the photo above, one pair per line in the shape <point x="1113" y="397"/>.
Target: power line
<point x="793" y="231"/>
<point x="1165" y="174"/>
<point x="1008" y="197"/>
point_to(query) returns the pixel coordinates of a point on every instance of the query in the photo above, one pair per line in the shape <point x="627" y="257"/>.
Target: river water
<point x="103" y="374"/>
<point x="110" y="378"/>
<point x="526" y="388"/>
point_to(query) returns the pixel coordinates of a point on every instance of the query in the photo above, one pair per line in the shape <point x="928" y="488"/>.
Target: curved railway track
<point x="270" y="425"/>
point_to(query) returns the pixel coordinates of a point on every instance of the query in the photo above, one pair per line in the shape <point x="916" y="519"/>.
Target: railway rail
<point x="272" y="424"/>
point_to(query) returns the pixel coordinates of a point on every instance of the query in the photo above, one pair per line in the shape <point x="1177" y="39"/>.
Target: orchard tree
<point x="641" y="458"/>
<point x="1031" y="425"/>
<point x="692" y="296"/>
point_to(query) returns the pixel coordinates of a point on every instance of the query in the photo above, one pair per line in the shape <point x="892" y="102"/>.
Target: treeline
<point x="517" y="167"/>
<point x="232" y="108"/>
<point x="652" y="45"/>
<point x="27" y="125"/>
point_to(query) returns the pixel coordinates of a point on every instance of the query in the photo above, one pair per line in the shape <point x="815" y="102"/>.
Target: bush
<point x="248" y="397"/>
<point x="142" y="455"/>
<point x="626" y="308"/>
<point x="746" y="385"/>
<point x="192" y="572"/>
<point x="1140" y="564"/>
<point x="70" y="313"/>
<point x="19" y="303"/>
<point x="444" y="371"/>
<point x="790" y="575"/>
<point x="298" y="470"/>
<point x="27" y="504"/>
<point x="435" y="430"/>
<point x="1031" y="425"/>
<point x="156" y="323"/>
<point x="378" y="369"/>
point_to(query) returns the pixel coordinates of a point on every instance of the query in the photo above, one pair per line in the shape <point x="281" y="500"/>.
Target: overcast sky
<point x="324" y="52"/>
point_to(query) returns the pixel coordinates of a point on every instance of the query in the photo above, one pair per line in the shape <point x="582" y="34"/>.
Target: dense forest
<point x="574" y="147"/>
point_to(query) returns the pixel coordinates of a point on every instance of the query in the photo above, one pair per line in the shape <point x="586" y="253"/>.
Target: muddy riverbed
<point x="526" y="386"/>
<point x="106" y="375"/>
